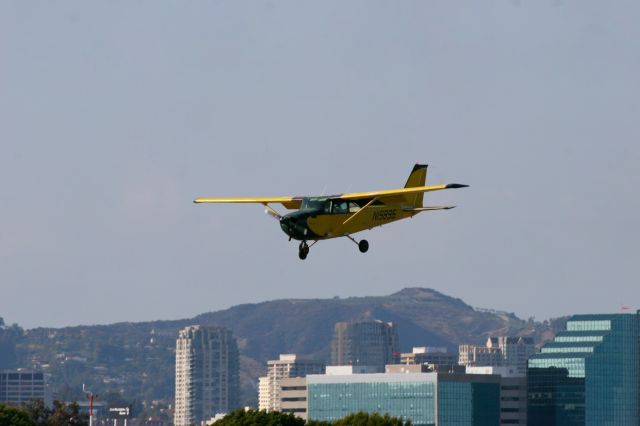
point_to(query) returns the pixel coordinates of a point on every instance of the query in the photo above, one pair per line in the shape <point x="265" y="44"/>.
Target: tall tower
<point x="207" y="376"/>
<point x="367" y="343"/>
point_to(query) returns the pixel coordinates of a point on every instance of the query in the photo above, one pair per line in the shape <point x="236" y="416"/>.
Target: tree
<point x="375" y="419"/>
<point x="37" y="411"/>
<point x="259" y="418"/>
<point x="262" y="418"/>
<point x="66" y="415"/>
<point x="13" y="416"/>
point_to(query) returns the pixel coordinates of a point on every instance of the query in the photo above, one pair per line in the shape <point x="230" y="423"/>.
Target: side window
<point x="353" y="207"/>
<point x="340" y="207"/>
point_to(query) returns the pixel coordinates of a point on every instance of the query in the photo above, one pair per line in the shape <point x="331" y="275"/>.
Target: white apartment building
<point x="515" y="351"/>
<point x="289" y="365"/>
<point x="503" y="351"/>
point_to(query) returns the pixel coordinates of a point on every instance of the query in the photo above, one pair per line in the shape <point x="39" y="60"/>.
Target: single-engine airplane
<point x="324" y="217"/>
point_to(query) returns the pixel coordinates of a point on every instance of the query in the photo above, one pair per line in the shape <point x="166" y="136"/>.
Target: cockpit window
<point x="328" y="205"/>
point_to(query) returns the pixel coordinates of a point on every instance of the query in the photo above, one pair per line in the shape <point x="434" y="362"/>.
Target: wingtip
<point x="457" y="185"/>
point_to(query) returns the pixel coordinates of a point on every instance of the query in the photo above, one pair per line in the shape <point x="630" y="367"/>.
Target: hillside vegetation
<point x="135" y="361"/>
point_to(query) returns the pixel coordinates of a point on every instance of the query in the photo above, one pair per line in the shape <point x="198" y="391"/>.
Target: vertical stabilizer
<point x="418" y="177"/>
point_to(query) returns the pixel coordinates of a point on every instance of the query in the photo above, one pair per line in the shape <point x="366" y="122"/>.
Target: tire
<point x="363" y="246"/>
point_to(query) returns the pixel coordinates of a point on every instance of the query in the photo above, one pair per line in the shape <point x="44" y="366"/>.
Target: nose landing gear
<point x="303" y="250"/>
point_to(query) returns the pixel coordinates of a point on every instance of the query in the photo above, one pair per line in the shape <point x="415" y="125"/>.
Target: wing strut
<point x="360" y="211"/>
<point x="271" y="211"/>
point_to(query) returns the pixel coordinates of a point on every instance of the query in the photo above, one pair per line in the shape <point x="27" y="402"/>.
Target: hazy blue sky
<point x="114" y="115"/>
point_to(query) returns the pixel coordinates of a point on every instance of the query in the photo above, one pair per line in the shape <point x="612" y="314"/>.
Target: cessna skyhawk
<point x="324" y="217"/>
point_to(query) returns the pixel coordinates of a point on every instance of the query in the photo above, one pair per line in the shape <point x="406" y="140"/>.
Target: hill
<point x="135" y="361"/>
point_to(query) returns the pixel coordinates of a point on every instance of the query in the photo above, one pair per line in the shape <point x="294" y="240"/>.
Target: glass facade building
<point x="427" y="399"/>
<point x="589" y="374"/>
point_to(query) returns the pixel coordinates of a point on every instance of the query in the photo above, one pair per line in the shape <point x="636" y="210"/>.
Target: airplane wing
<point x="287" y="202"/>
<point x="391" y="193"/>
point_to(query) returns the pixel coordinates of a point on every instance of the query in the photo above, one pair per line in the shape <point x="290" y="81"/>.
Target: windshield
<point x="313" y="203"/>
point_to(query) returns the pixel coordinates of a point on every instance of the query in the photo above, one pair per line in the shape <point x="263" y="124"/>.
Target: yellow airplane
<point x="324" y="217"/>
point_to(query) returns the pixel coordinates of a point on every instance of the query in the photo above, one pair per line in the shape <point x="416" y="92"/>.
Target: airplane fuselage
<point x="322" y="218"/>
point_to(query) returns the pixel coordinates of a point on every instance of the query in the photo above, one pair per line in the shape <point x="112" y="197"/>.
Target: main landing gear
<point x="363" y="245"/>
<point x="303" y="248"/>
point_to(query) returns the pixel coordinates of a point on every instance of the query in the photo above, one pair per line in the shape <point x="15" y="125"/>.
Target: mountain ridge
<point x="136" y="359"/>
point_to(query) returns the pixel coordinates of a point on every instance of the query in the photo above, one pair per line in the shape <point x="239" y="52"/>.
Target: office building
<point x="21" y="386"/>
<point x="289" y="365"/>
<point x="293" y="396"/>
<point x="513" y="393"/>
<point x="429" y="355"/>
<point x="207" y="374"/>
<point x="588" y="375"/>
<point x="427" y="399"/>
<point x="370" y="343"/>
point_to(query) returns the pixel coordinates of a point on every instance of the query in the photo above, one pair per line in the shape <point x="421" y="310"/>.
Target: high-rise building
<point x="588" y="375"/>
<point x="369" y="343"/>
<point x="289" y="365"/>
<point x="21" y="386"/>
<point x="426" y="399"/>
<point x="207" y="374"/>
<point x="263" y="393"/>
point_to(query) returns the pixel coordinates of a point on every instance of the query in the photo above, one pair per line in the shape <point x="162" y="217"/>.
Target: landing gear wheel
<point x="363" y="245"/>
<point x="303" y="250"/>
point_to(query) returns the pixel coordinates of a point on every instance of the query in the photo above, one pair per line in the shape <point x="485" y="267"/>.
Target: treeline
<point x="262" y="418"/>
<point x="36" y="413"/>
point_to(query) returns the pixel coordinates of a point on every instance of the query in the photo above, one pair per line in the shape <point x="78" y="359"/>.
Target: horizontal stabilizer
<point x="428" y="208"/>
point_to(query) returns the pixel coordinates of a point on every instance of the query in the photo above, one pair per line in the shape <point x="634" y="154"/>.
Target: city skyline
<point x="603" y="348"/>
